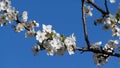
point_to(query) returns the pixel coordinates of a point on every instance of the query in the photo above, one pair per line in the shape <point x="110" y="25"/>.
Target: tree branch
<point x="84" y="49"/>
<point x="84" y="26"/>
<point x="97" y="7"/>
<point x="107" y="10"/>
<point x="18" y="21"/>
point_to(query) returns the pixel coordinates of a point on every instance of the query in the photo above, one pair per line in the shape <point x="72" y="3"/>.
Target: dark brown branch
<point x="97" y="7"/>
<point x="84" y="25"/>
<point x="84" y="49"/>
<point x="106" y="6"/>
<point x="18" y="21"/>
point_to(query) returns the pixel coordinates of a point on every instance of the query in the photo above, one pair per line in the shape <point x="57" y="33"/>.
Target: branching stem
<point x="85" y="25"/>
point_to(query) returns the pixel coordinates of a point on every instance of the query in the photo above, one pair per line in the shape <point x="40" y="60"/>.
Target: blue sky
<point x="65" y="17"/>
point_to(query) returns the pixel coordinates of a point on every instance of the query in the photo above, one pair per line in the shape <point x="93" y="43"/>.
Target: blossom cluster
<point x="88" y="9"/>
<point x="111" y="22"/>
<point x="53" y="42"/>
<point x="7" y="12"/>
<point x="100" y="58"/>
<point x="48" y="39"/>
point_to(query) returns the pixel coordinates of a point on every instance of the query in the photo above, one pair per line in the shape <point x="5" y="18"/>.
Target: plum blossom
<point x="110" y="20"/>
<point x="2" y="5"/>
<point x="70" y="40"/>
<point x="20" y="27"/>
<point x="70" y="44"/>
<point x="116" y="31"/>
<point x="112" y="1"/>
<point x="88" y="10"/>
<point x="111" y="45"/>
<point x="56" y="43"/>
<point x="24" y="16"/>
<point x="96" y="45"/>
<point x="47" y="28"/>
<point x="11" y="15"/>
<point x="71" y="49"/>
<point x="100" y="59"/>
<point x="29" y="34"/>
<point x="50" y="52"/>
<point x="31" y="25"/>
<point x="35" y="23"/>
<point x="40" y="36"/>
<point x="54" y="46"/>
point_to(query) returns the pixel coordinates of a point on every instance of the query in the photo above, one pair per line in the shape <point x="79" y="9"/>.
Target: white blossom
<point x="56" y="43"/>
<point x="36" y="24"/>
<point x="2" y="6"/>
<point x="111" y="45"/>
<point x="47" y="28"/>
<point x="71" y="49"/>
<point x="46" y="44"/>
<point x="116" y="31"/>
<point x="70" y="44"/>
<point x="31" y="25"/>
<point x="41" y="36"/>
<point x="96" y="45"/>
<point x="70" y="40"/>
<point x="112" y="1"/>
<point x="29" y="34"/>
<point x="20" y="27"/>
<point x="11" y="15"/>
<point x="110" y="20"/>
<point x="55" y="34"/>
<point x="88" y="10"/>
<point x="24" y="16"/>
<point x="100" y="59"/>
<point x="50" y="52"/>
<point x="54" y="46"/>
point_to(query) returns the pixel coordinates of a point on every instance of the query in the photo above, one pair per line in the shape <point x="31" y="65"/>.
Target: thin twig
<point x="84" y="26"/>
<point x="97" y="7"/>
<point x="18" y="21"/>
<point x="106" y="6"/>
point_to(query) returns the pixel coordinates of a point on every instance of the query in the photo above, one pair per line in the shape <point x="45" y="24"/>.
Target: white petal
<point x="112" y="1"/>
<point x="25" y="16"/>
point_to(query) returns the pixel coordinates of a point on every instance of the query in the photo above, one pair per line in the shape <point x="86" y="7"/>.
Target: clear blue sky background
<point x="65" y="16"/>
